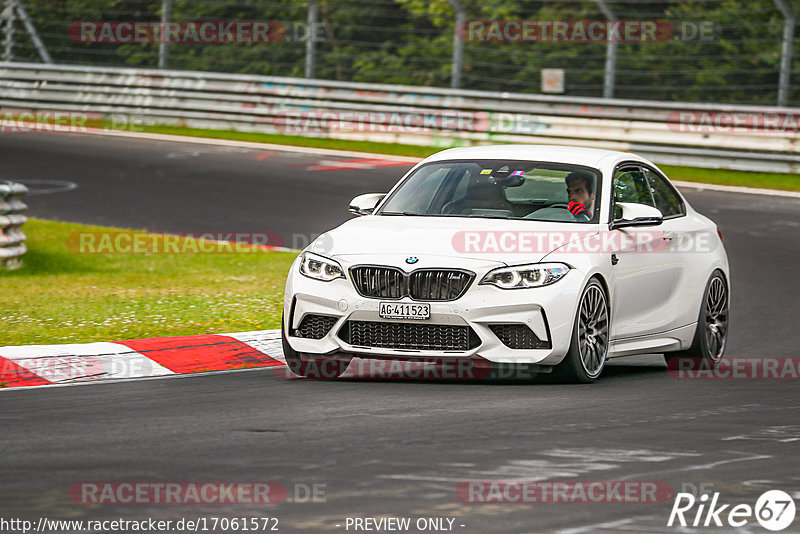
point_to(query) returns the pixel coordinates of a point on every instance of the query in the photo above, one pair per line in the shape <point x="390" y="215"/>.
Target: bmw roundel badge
<point x="412" y="260"/>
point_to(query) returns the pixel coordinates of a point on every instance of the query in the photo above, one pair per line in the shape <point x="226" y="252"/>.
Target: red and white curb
<point x="163" y="357"/>
<point x="44" y="365"/>
<point x="353" y="164"/>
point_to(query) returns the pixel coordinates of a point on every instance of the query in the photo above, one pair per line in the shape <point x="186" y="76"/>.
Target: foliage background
<point x="411" y="42"/>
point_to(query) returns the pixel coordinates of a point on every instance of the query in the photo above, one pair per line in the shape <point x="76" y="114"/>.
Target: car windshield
<point x="499" y="189"/>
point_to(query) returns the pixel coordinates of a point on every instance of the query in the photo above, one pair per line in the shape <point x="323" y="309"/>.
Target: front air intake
<point x="315" y="326"/>
<point x="410" y="336"/>
<point x="518" y="336"/>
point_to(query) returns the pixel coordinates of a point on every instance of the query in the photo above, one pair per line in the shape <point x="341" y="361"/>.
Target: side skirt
<point x="677" y="339"/>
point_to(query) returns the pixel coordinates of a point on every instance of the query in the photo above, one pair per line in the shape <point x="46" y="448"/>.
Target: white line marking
<point x="644" y="474"/>
<point x="55" y="186"/>
<point x="775" y="433"/>
<point x="248" y="144"/>
<point x="613" y="525"/>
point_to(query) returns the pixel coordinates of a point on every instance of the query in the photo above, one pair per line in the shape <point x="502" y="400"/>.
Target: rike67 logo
<point x="774" y="510"/>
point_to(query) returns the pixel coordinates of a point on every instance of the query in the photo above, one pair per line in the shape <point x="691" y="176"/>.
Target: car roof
<point x="589" y="157"/>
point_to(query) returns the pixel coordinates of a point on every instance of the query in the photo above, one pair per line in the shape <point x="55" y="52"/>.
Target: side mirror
<point x="636" y="215"/>
<point x="365" y="204"/>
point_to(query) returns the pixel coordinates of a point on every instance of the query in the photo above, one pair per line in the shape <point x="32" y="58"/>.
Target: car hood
<point x="450" y="239"/>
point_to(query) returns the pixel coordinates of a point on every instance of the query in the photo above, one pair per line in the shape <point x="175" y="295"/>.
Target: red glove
<point x="576" y="208"/>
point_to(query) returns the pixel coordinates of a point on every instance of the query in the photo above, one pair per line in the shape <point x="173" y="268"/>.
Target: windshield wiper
<point x="413" y="214"/>
<point x="410" y="213"/>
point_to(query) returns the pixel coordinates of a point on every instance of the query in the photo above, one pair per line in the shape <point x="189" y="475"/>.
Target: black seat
<point x="481" y="194"/>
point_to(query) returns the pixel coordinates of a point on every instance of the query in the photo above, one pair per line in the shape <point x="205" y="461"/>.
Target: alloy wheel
<point x="716" y="318"/>
<point x="593" y="331"/>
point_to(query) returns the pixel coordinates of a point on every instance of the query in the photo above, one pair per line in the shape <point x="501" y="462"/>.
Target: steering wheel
<point x="451" y="208"/>
<point x="556" y="212"/>
<point x="559" y="205"/>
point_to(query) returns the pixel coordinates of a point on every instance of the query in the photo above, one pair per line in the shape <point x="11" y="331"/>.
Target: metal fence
<point x="701" y="135"/>
<point x="736" y="51"/>
<point x="12" y="239"/>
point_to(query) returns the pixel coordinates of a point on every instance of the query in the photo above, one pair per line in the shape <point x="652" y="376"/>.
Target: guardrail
<point x="12" y="239"/>
<point x="756" y="138"/>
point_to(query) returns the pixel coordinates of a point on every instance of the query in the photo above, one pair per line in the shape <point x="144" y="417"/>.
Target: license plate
<point x="395" y="310"/>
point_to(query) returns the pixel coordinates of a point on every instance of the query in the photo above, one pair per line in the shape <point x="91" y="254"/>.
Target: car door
<point x="646" y="275"/>
<point x="686" y="238"/>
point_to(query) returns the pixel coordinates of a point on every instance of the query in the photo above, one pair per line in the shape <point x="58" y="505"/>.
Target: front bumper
<point x="548" y="311"/>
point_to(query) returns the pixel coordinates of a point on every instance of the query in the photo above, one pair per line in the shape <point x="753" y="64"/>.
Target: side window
<point x="667" y="199"/>
<point x="630" y="185"/>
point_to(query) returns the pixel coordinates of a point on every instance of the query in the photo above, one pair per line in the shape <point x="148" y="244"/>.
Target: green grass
<point x="60" y="296"/>
<point x="787" y="182"/>
<point x="766" y="180"/>
<point x="395" y="149"/>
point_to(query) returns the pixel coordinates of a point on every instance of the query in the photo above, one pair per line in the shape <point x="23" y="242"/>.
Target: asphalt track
<point x="390" y="448"/>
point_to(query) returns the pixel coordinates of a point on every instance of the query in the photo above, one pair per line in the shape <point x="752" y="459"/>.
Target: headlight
<point x="522" y="276"/>
<point x="319" y="267"/>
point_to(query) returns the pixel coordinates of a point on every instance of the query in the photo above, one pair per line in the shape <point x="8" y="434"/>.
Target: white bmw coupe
<point x="551" y="258"/>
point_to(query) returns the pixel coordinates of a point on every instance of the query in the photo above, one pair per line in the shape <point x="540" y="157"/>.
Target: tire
<point x="309" y="365"/>
<point x="588" y="349"/>
<point x="711" y="335"/>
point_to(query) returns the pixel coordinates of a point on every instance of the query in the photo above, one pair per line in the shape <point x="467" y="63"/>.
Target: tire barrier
<point x="12" y="238"/>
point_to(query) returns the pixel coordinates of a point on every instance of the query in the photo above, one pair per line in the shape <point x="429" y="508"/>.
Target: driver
<point x="580" y="190"/>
